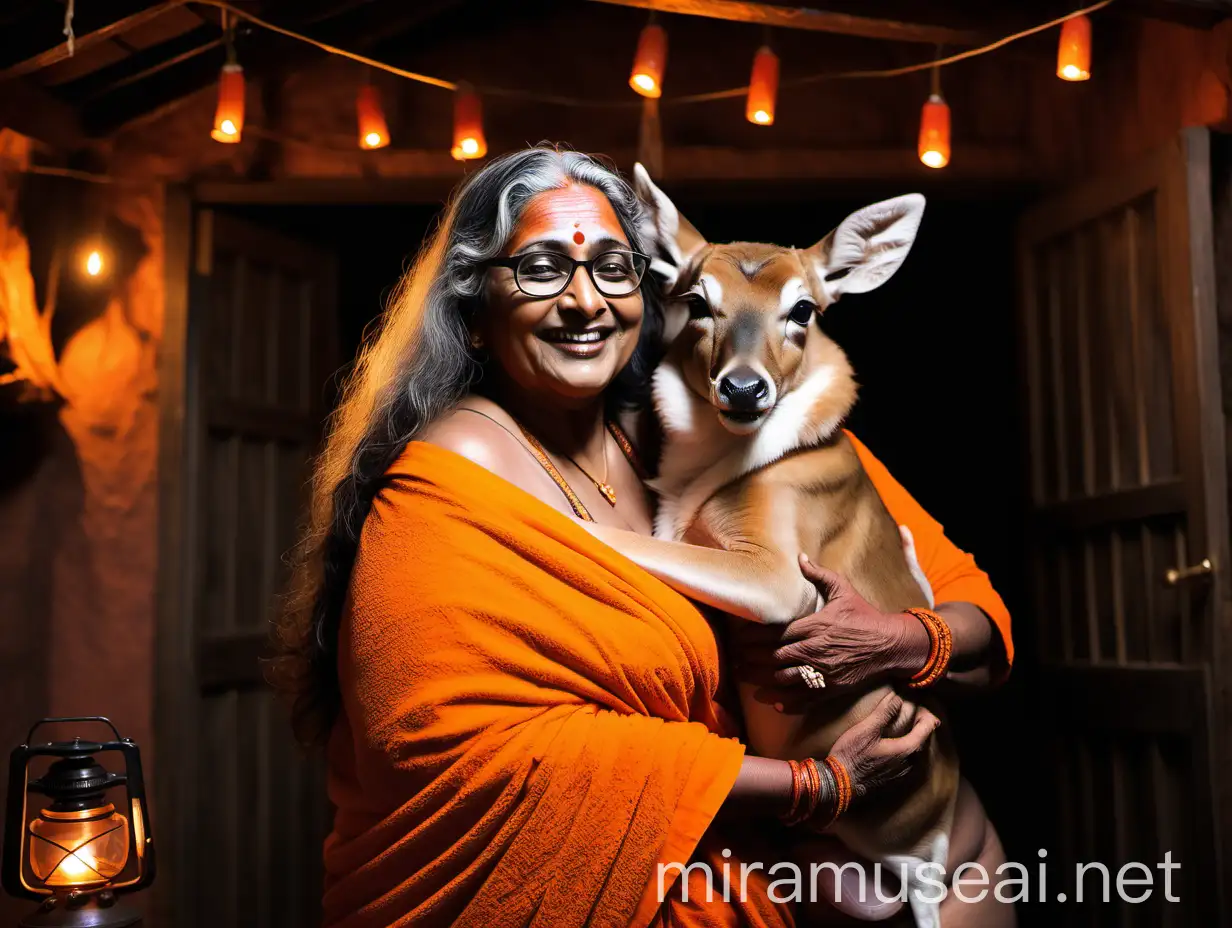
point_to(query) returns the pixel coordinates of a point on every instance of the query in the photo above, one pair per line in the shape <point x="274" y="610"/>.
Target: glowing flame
<point x="78" y="867"/>
<point x="934" y="147"/>
<point x="94" y="263"/>
<point x="373" y="139"/>
<point x="646" y="75"/>
<point x="1074" y="50"/>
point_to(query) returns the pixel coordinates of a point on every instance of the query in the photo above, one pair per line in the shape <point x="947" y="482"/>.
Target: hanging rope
<point x="70" y="38"/>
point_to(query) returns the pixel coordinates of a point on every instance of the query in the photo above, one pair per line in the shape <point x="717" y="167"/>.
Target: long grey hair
<point x="418" y="365"/>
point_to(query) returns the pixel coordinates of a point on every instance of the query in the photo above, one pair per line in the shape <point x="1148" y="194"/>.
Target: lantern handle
<point x="73" y="718"/>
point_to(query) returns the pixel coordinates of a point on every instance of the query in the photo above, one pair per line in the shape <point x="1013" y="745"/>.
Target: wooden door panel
<point x="1115" y="321"/>
<point x="259" y="349"/>
<point x="264" y="819"/>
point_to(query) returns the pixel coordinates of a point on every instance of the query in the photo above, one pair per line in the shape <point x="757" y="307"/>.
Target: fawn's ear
<point x="674" y="239"/>
<point x="868" y="246"/>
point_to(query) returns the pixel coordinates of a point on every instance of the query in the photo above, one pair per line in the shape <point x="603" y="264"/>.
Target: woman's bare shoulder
<point x="467" y="430"/>
<point x="480" y="431"/>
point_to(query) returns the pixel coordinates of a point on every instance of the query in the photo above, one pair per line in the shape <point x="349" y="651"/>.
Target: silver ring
<point x="812" y="677"/>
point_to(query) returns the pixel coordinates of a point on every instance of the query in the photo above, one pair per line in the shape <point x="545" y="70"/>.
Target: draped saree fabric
<point x="529" y="724"/>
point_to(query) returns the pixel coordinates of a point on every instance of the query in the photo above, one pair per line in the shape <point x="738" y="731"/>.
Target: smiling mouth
<point x="575" y="337"/>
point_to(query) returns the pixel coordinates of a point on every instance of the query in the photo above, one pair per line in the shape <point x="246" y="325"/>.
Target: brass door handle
<point x="1176" y="574"/>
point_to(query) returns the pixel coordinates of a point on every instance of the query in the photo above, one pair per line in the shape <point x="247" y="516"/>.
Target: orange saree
<point x="529" y="723"/>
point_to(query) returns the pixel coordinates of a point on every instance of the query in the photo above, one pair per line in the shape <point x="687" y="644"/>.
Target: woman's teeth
<point x="580" y="338"/>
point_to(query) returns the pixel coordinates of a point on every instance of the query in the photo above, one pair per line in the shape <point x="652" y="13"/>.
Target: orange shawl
<point x="529" y="722"/>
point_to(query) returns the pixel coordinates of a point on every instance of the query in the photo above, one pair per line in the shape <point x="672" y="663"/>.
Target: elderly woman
<point x="523" y="726"/>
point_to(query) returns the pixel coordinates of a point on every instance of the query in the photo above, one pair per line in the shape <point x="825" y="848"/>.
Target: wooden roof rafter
<point x="766" y="14"/>
<point x="369" y="23"/>
<point x="119" y="19"/>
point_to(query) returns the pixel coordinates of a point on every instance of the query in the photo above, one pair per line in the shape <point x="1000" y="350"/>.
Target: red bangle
<point x="940" y="648"/>
<point x="814" y="776"/>
<point x="796" y="788"/>
<point x="805" y="791"/>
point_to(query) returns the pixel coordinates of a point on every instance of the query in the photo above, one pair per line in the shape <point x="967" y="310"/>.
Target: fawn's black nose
<point x="743" y="390"/>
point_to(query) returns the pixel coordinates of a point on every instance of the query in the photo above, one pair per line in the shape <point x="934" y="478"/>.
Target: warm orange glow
<point x="1074" y="50"/>
<point x="935" y="132"/>
<point x="139" y="828"/>
<point x="94" y="263"/>
<point x="763" y="87"/>
<point x="229" y="117"/>
<point x="468" y="140"/>
<point x="373" y="130"/>
<point x="649" y="62"/>
<point x="83" y="848"/>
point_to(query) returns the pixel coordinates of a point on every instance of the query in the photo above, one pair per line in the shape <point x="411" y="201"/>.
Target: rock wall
<point x="78" y="492"/>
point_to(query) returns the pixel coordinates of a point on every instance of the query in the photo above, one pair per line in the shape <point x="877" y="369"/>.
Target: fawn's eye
<point x="802" y="312"/>
<point x="698" y="307"/>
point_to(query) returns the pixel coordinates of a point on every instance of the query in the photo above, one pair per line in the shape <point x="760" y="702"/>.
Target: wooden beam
<point x="423" y="176"/>
<point x="815" y="20"/>
<point x="59" y="51"/>
<point x="142" y="64"/>
<point x="262" y="54"/>
<point x="31" y="110"/>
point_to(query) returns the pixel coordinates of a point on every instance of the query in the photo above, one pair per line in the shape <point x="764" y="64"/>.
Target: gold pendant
<point x="608" y="491"/>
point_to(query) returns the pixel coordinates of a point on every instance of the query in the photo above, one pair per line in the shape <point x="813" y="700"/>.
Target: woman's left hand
<point x="849" y="640"/>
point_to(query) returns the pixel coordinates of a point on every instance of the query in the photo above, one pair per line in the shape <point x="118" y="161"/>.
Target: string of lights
<point x="646" y="78"/>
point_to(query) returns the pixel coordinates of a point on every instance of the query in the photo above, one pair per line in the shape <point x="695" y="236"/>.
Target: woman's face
<point x="570" y="346"/>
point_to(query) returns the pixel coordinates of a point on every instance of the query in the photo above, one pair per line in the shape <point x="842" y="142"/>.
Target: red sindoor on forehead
<point x="579" y="237"/>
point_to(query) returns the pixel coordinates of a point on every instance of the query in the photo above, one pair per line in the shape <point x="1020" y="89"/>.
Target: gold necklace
<point x="608" y="491"/>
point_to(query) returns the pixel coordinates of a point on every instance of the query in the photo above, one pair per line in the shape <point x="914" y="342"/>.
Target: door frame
<point x="1187" y="233"/>
<point x="181" y="670"/>
<point x="172" y="813"/>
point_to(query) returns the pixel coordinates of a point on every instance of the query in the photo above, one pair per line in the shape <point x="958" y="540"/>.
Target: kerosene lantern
<point x="74" y="850"/>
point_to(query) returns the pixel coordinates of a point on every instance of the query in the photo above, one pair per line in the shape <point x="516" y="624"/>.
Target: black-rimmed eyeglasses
<point x="545" y="274"/>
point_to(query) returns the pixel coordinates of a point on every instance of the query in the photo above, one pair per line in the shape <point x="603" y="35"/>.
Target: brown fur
<point x="802" y="489"/>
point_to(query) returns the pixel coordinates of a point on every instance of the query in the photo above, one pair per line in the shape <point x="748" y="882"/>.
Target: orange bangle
<point x="940" y="648"/>
<point x="801" y="788"/>
<point x="796" y="788"/>
<point x="814" y="776"/>
<point x="806" y="791"/>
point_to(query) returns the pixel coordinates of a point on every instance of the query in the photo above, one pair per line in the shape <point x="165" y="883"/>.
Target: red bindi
<point x="579" y="237"/>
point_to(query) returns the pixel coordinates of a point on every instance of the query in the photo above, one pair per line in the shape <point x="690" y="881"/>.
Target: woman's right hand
<point x="870" y="751"/>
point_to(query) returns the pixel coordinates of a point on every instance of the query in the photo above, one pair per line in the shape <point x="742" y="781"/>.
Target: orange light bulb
<point x="229" y="116"/>
<point x="468" y="139"/>
<point x="649" y="62"/>
<point x="373" y="130"/>
<point x="763" y="88"/>
<point x="1074" y="50"/>
<point x="935" y="132"/>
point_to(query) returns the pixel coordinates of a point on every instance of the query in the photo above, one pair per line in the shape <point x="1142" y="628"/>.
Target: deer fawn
<point x="756" y="469"/>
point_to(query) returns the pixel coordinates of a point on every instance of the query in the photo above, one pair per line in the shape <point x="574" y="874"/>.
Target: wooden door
<point x="244" y="810"/>
<point x="1127" y="484"/>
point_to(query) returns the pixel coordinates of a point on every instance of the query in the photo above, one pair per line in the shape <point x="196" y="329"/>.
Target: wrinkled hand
<point x="885" y="745"/>
<point x="849" y="640"/>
